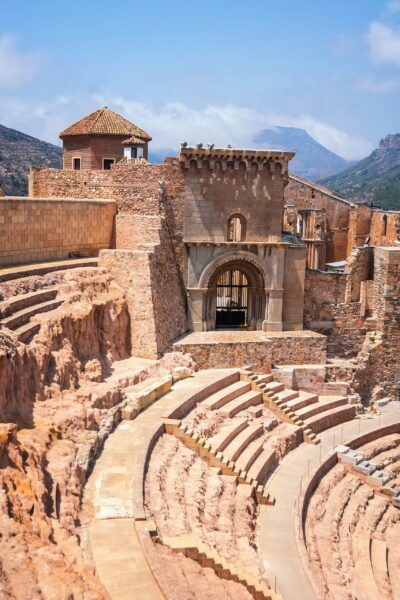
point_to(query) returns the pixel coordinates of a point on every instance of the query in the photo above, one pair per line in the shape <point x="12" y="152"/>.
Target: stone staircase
<point x="207" y="557"/>
<point x="18" y="311"/>
<point x="225" y="462"/>
<point x="311" y="412"/>
<point x="29" y="270"/>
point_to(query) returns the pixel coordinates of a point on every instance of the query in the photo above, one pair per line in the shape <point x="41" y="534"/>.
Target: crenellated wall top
<point x="238" y="157"/>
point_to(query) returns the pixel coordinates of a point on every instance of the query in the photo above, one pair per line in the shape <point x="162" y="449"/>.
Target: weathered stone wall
<point x="359" y="226"/>
<point x="359" y="267"/>
<point x="33" y="230"/>
<point x="135" y="188"/>
<point x="133" y="230"/>
<point x="383" y="227"/>
<point x="293" y="287"/>
<point x="333" y="303"/>
<point x="155" y="295"/>
<point x="323" y="292"/>
<point x="261" y="351"/>
<point x="305" y="194"/>
<point x="213" y="195"/>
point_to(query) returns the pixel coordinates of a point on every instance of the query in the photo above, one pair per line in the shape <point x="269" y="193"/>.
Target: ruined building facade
<point x="213" y="239"/>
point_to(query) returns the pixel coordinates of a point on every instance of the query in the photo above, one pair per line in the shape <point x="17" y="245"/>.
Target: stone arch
<point x="235" y="295"/>
<point x="236" y="256"/>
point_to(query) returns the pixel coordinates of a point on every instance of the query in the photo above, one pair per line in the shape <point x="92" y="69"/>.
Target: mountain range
<point x="18" y="152"/>
<point x="375" y="179"/>
<point x="312" y="160"/>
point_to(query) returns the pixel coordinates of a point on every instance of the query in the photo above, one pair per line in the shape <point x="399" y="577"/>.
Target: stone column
<point x="196" y="309"/>
<point x="273" y="311"/>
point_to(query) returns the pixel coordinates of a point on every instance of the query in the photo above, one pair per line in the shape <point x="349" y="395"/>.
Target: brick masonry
<point x="33" y="230"/>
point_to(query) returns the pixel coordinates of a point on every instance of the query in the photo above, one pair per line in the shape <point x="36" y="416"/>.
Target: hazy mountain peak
<point x="312" y="160"/>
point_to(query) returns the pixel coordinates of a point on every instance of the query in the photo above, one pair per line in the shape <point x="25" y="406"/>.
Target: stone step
<point x="256" y="411"/>
<point x="26" y="332"/>
<point x="265" y="379"/>
<point x="304" y="399"/>
<point x="262" y="465"/>
<point x="227" y="433"/>
<point x="284" y="396"/>
<point x="274" y="387"/>
<point x="23" y="316"/>
<point x="225" y="395"/>
<point x="21" y="271"/>
<point x="250" y="454"/>
<point x="242" y="402"/>
<point x="234" y="449"/>
<point x="379" y="562"/>
<point x="363" y="567"/>
<point x="324" y="403"/>
<point x="330" y="418"/>
<point x="17" y="303"/>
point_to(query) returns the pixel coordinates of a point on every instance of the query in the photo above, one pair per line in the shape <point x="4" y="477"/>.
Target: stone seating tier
<point x="352" y="528"/>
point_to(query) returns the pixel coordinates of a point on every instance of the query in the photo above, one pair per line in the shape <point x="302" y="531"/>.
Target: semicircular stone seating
<point x="206" y="474"/>
<point x="352" y="530"/>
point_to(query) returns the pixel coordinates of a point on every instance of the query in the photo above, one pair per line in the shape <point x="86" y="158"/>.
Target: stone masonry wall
<point x="359" y="267"/>
<point x="135" y="188"/>
<point x="214" y="195"/>
<point x="305" y="194"/>
<point x="155" y="297"/>
<point x="282" y="348"/>
<point x="323" y="292"/>
<point x="379" y="357"/>
<point x="384" y="233"/>
<point x="33" y="230"/>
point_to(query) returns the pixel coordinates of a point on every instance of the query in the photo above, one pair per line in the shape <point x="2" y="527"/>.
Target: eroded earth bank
<point x="60" y="396"/>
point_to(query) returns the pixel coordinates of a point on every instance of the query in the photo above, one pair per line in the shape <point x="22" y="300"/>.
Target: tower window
<point x="107" y="163"/>
<point x="76" y="164"/>
<point x="236" y="228"/>
<point x="384" y="225"/>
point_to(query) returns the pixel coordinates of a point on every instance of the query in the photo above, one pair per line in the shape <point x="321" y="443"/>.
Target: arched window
<point x="384" y="225"/>
<point x="236" y="228"/>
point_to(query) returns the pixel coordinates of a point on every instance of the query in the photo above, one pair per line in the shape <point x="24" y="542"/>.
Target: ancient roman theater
<point x="199" y="379"/>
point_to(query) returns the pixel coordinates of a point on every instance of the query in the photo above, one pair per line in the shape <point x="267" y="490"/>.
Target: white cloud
<point x="172" y="123"/>
<point x="229" y="124"/>
<point x="384" y="44"/>
<point x="393" y="7"/>
<point x="16" y="67"/>
<point x="377" y="86"/>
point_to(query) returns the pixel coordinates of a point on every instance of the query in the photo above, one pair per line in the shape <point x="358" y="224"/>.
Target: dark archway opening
<point x="232" y="297"/>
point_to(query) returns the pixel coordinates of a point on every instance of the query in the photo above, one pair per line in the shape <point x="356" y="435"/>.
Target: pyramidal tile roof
<point x="105" y="122"/>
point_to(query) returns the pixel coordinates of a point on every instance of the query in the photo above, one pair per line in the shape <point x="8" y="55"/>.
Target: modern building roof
<point x="105" y="122"/>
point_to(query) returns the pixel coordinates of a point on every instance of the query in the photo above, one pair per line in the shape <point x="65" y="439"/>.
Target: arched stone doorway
<point x="235" y="297"/>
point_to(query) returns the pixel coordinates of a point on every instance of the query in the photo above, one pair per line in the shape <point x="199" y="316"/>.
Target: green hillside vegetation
<point x="375" y="179"/>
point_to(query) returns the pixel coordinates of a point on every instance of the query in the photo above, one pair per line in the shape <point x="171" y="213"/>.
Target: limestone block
<point x="180" y="373"/>
<point x="341" y="449"/>
<point x="164" y="385"/>
<point x="365" y="467"/>
<point x="352" y="458"/>
<point x="378" y="478"/>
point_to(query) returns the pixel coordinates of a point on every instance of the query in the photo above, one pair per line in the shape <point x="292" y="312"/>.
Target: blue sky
<point x="205" y="71"/>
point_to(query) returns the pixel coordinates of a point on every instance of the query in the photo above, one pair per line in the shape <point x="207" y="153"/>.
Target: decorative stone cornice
<point x="225" y="158"/>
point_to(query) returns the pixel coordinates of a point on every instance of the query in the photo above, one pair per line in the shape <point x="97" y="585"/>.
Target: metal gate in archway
<point x="232" y="300"/>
